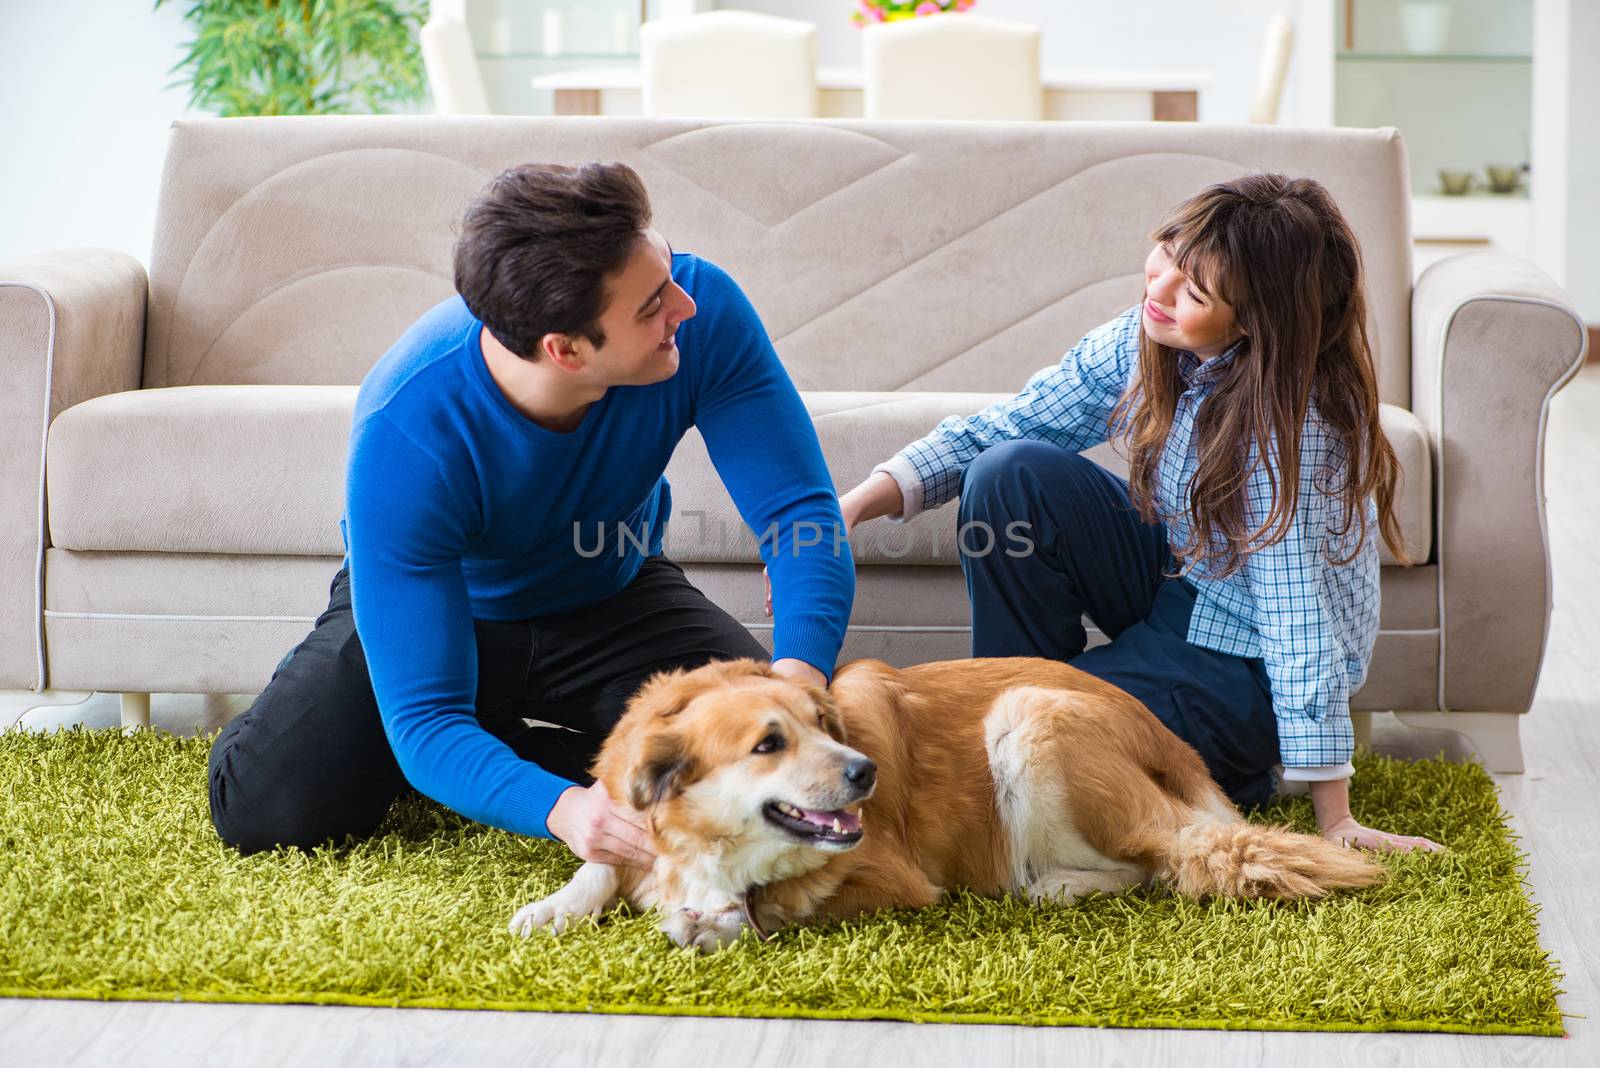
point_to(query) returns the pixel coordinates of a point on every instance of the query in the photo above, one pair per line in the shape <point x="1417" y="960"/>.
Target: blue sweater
<point x="459" y="507"/>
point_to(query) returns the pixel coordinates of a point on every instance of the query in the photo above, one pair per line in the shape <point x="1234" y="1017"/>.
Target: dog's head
<point x="733" y="754"/>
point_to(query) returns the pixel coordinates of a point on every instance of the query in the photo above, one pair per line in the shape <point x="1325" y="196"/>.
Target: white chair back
<point x="729" y="65"/>
<point x="452" y="67"/>
<point x="1275" y="53"/>
<point x="953" y="66"/>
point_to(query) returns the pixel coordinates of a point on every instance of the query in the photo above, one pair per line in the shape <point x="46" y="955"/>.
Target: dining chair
<point x="452" y="67"/>
<point x="953" y="66"/>
<point x="729" y="65"/>
<point x="1274" y="69"/>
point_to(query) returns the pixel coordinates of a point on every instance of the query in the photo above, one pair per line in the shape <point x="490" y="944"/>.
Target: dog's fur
<point x="1000" y="775"/>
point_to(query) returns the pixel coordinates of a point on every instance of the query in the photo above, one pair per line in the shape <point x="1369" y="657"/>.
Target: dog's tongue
<point x="848" y="822"/>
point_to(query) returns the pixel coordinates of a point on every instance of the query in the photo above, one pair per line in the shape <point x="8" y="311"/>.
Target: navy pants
<point x="1079" y="547"/>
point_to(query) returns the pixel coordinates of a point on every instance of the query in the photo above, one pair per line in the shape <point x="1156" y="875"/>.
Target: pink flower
<point x="928" y="7"/>
<point x="869" y="12"/>
<point x="964" y="5"/>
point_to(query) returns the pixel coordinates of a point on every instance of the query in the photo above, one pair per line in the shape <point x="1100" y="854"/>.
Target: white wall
<point x="1224" y="37"/>
<point x="1583" y="160"/>
<point x="84" y="111"/>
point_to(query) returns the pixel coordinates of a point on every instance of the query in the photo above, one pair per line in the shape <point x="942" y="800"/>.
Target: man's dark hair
<point x="536" y="246"/>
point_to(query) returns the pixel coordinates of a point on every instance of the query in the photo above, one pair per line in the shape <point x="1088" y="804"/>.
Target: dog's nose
<point x="861" y="773"/>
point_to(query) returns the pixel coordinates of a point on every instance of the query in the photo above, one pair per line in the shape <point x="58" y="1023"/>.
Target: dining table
<point x="1111" y="94"/>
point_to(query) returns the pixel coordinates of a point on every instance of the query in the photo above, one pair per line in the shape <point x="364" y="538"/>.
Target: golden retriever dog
<point x="771" y="802"/>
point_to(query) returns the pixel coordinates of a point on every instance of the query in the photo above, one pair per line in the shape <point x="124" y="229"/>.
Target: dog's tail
<point x="1223" y="858"/>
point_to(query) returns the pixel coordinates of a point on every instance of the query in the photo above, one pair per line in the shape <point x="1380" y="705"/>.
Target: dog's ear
<point x="827" y="713"/>
<point x="664" y="768"/>
<point x="663" y="694"/>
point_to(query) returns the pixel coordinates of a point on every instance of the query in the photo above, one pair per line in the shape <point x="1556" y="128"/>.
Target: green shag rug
<point x="113" y="885"/>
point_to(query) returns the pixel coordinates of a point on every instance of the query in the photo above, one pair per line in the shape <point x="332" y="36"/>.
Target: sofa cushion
<point x="260" y="469"/>
<point x="202" y="469"/>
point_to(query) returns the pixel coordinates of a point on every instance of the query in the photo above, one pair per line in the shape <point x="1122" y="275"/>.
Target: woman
<point x="1236" y="571"/>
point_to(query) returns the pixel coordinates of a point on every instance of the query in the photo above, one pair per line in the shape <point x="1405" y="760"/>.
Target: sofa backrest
<point x="881" y="255"/>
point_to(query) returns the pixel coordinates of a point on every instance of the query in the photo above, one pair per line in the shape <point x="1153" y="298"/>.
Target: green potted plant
<point x="303" y="57"/>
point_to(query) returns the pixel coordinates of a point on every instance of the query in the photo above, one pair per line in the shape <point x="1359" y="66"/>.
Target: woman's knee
<point x="999" y="478"/>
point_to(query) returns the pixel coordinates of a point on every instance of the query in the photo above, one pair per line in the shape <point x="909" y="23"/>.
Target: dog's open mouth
<point x="835" y="828"/>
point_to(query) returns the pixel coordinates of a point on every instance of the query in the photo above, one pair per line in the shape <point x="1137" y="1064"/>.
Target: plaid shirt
<point x="1313" y="623"/>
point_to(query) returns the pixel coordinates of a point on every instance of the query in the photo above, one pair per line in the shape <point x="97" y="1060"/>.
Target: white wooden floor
<point x="1555" y="806"/>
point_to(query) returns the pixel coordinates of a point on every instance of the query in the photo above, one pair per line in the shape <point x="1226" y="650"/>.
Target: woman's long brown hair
<point x="1278" y="251"/>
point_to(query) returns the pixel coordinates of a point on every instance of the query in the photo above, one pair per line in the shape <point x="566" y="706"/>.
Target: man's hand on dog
<point x="600" y="830"/>
<point x="799" y="671"/>
<point x="789" y="668"/>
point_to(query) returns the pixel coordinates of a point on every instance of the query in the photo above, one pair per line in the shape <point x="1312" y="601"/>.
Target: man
<point x="503" y="525"/>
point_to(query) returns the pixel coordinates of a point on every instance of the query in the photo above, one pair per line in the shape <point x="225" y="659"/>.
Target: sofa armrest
<point x="71" y="328"/>
<point x="1492" y="339"/>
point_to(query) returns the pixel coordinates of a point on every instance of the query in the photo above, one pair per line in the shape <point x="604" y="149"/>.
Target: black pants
<point x="309" y="763"/>
<point x="1088" y="552"/>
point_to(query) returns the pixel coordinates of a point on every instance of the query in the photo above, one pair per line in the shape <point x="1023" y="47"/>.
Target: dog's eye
<point x="770" y="744"/>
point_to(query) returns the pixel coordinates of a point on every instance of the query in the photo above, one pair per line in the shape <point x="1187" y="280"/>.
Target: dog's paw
<point x="705" y="931"/>
<point x="553" y="915"/>
<point x="593" y="889"/>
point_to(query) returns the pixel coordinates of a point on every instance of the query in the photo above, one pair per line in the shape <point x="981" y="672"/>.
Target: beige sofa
<point x="173" y="448"/>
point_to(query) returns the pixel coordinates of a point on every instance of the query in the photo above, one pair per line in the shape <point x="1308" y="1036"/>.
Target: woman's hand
<point x="878" y="495"/>
<point x="1348" y="832"/>
<point x="1331" y="799"/>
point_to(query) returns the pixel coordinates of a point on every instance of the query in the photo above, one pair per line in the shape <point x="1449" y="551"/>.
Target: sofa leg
<point x="1362" y="723"/>
<point x="14" y="704"/>
<point x="135" y="711"/>
<point x="1494" y="735"/>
